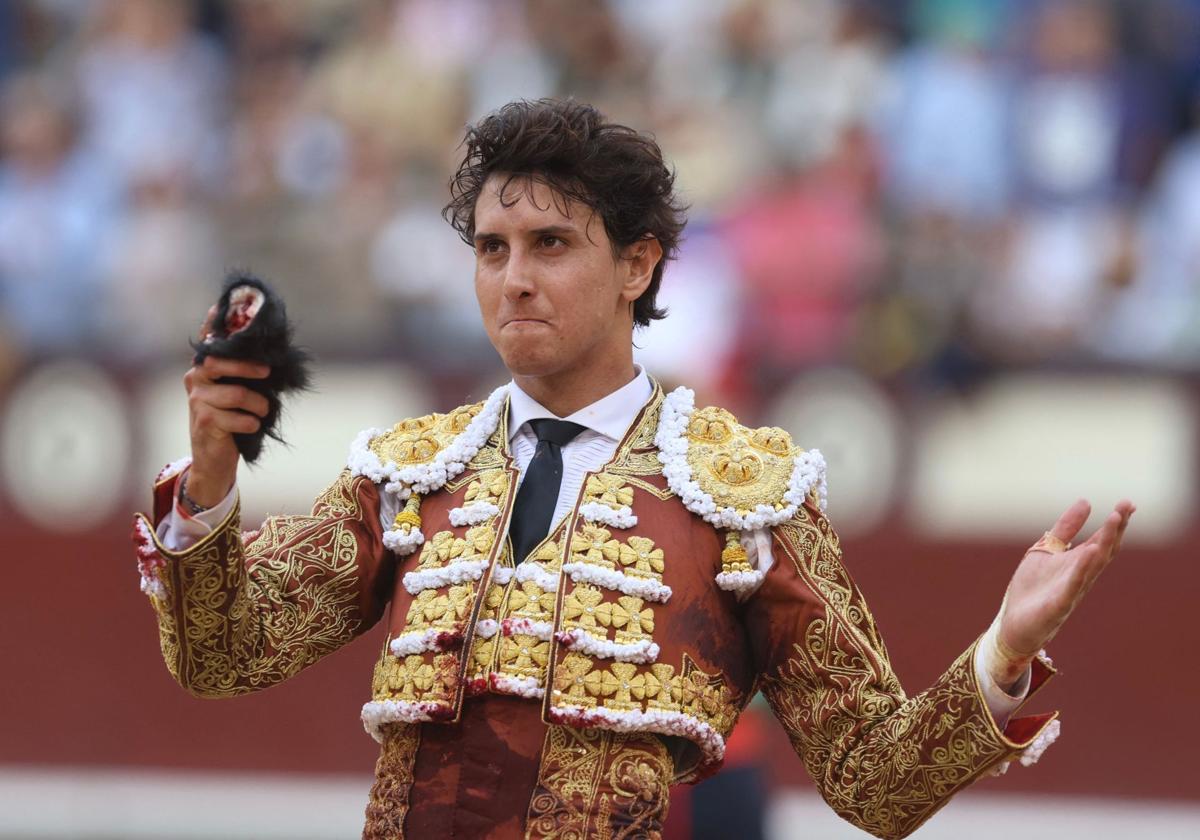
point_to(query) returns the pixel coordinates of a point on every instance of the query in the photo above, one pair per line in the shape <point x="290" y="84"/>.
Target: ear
<point x="639" y="259"/>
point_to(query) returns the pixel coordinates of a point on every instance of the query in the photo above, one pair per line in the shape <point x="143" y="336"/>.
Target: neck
<point x="565" y="392"/>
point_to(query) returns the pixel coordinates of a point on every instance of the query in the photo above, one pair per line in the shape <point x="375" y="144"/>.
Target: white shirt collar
<point x="610" y="415"/>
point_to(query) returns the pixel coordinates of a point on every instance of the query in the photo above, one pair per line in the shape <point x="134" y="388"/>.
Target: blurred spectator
<point x="929" y="187"/>
<point x="56" y="207"/>
<point x="1156" y="319"/>
<point x="153" y="91"/>
<point x="1085" y="125"/>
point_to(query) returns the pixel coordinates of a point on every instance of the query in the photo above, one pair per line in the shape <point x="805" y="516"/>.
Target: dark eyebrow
<point x="553" y="230"/>
<point x="550" y="230"/>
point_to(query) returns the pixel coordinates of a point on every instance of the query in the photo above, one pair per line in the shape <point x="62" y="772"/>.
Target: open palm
<point x="1047" y="586"/>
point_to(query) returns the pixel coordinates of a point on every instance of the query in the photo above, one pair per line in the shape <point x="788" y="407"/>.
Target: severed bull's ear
<point x="251" y="323"/>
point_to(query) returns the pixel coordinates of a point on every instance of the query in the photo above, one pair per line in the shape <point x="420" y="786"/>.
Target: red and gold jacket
<point x="639" y="612"/>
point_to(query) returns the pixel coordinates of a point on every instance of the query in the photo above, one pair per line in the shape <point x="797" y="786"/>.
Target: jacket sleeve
<point x="241" y="612"/>
<point x="882" y="760"/>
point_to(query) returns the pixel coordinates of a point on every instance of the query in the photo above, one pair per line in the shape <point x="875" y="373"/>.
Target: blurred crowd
<point x="924" y="190"/>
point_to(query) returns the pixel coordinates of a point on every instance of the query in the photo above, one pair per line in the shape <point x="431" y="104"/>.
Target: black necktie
<point x="538" y="495"/>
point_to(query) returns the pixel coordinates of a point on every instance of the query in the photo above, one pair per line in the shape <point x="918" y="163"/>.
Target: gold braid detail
<point x="241" y="617"/>
<point x="388" y="803"/>
<point x="596" y="783"/>
<point x="883" y="761"/>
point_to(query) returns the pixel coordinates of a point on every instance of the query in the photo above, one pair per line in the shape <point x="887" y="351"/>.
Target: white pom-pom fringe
<point x="520" y="686"/>
<point x="420" y="641"/>
<point x="641" y="652"/>
<point x="1031" y="754"/>
<point x="740" y="583"/>
<point x="622" y="517"/>
<point x="403" y="542"/>
<point x="527" y="627"/>
<point x="457" y="572"/>
<point x="472" y="514"/>
<point x="650" y="590"/>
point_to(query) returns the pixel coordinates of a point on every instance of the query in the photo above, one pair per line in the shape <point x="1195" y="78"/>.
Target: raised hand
<point x="216" y="411"/>
<point x="1052" y="579"/>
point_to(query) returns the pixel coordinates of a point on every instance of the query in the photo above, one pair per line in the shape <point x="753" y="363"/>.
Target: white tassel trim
<point x="1030" y="755"/>
<point x="531" y="571"/>
<point x="449" y="462"/>
<point x="1045" y="738"/>
<point x="651" y="590"/>
<point x="527" y="627"/>
<point x="472" y="514"/>
<point x="149" y="562"/>
<point x="485" y="628"/>
<point x="502" y="575"/>
<point x="456" y="572"/>
<point x="403" y="542"/>
<point x="622" y="517"/>
<point x="173" y="469"/>
<point x="740" y="583"/>
<point x="578" y="639"/>
<point x="378" y="712"/>
<point x="520" y="686"/>
<point x="672" y="442"/>
<point x="420" y="641"/>
<point x="660" y="721"/>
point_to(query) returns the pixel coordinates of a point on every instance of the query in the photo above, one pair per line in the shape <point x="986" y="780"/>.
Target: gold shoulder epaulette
<point x="418" y="440"/>
<point x="741" y="468"/>
<point x="734" y="477"/>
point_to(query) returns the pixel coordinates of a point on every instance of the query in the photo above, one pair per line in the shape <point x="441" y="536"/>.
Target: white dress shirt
<point x="605" y="423"/>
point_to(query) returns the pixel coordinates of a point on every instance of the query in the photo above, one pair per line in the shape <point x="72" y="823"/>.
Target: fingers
<point x="1072" y="520"/>
<point x="215" y="367"/>
<point x="233" y="398"/>
<point x="220" y="423"/>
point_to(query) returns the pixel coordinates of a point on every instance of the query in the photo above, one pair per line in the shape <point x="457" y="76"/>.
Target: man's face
<point x="552" y="295"/>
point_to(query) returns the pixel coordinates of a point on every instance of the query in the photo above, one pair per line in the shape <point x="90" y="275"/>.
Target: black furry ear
<point x="251" y="323"/>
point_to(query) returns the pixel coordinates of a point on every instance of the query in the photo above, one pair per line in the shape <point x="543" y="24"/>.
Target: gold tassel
<point x="410" y="516"/>
<point x="733" y="556"/>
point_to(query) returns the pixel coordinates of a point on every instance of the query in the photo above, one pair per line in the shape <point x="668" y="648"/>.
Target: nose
<point x="519" y="281"/>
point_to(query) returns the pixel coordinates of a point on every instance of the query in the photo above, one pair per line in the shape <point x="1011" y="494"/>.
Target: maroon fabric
<point x="475" y="778"/>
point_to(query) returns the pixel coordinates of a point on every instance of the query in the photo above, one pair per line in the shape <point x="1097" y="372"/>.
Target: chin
<point x="527" y="360"/>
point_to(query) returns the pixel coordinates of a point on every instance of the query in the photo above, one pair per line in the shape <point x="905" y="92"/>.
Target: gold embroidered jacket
<point x="639" y="612"/>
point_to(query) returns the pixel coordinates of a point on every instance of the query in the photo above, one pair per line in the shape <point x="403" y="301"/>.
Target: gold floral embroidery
<point x="582" y="608"/>
<point x="593" y="544"/>
<point x="662" y="688"/>
<point x="524" y="655"/>
<point x="641" y="559"/>
<point x="608" y="489"/>
<point x="414" y="678"/>
<point x="488" y="486"/>
<point x="632" y="620"/>
<point x="477" y="542"/>
<point x="434" y="608"/>
<point x="546" y="556"/>
<point x="569" y="676"/>
<point x="442" y="548"/>
<point x="531" y="602"/>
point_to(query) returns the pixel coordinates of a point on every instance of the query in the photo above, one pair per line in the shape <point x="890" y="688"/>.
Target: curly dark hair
<point x="569" y="146"/>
